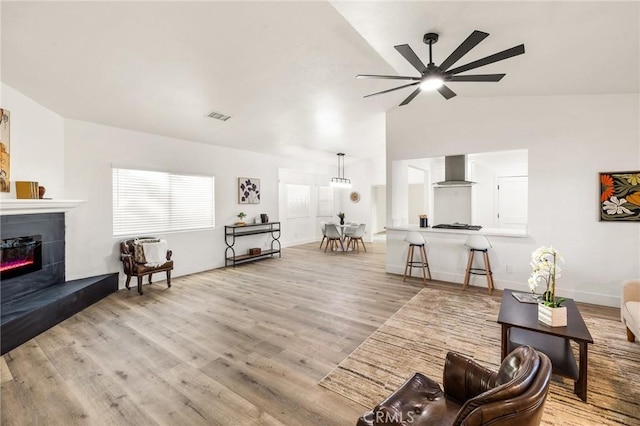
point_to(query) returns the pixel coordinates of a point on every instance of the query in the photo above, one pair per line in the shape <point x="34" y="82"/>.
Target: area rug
<point x="419" y="335"/>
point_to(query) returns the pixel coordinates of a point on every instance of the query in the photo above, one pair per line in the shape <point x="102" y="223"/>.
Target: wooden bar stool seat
<point x="415" y="239"/>
<point x="478" y="243"/>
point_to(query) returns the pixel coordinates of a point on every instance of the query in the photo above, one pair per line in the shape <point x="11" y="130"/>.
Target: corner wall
<point x="570" y="139"/>
<point x="37" y="144"/>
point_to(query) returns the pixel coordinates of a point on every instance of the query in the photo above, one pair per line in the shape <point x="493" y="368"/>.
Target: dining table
<point x="342" y="230"/>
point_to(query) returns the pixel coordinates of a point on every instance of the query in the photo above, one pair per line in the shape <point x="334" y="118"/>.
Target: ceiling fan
<point x="433" y="77"/>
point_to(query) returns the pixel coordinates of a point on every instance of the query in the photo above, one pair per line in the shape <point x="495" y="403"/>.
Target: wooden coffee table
<point x="520" y="326"/>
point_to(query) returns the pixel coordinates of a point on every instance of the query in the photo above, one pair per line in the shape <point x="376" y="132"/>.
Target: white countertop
<point x="515" y="233"/>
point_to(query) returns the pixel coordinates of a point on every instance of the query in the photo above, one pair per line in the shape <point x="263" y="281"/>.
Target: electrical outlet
<point x="509" y="269"/>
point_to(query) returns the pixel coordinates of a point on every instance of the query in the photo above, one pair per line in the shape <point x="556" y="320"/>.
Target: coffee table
<point x="520" y="326"/>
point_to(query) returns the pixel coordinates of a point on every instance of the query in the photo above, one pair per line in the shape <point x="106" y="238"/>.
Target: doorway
<point x="378" y="210"/>
<point x="513" y="202"/>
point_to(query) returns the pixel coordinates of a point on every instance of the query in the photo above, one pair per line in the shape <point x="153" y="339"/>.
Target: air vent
<point x="218" y="116"/>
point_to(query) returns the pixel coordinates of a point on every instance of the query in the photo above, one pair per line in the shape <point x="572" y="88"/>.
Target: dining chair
<point x="323" y="226"/>
<point x="333" y="237"/>
<point x="354" y="235"/>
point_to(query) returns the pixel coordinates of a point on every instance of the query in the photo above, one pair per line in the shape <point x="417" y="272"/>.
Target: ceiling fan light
<point x="432" y="83"/>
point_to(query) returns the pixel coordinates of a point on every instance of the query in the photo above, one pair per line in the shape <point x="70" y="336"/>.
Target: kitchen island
<point x="510" y="255"/>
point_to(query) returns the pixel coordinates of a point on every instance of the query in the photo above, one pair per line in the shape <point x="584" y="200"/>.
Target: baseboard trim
<point x="480" y="281"/>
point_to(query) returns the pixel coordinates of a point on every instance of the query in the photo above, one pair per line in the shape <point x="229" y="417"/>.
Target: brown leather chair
<point x="473" y="395"/>
<point x="133" y="267"/>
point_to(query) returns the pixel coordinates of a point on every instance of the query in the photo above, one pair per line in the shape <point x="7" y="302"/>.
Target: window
<point x="147" y="202"/>
<point x="325" y="201"/>
<point x="298" y="200"/>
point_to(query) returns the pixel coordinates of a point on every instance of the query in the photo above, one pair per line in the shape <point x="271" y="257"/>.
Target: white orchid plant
<point x="544" y="262"/>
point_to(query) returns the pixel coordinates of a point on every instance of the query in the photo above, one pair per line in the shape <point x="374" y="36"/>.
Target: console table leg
<point x="580" y="385"/>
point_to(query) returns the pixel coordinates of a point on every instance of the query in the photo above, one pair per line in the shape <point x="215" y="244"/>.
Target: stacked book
<point x="27" y="190"/>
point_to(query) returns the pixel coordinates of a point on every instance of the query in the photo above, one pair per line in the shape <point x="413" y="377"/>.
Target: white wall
<point x="379" y="208"/>
<point x="301" y="230"/>
<point x="90" y="152"/>
<point x="570" y="139"/>
<point x="364" y="176"/>
<point x="73" y="159"/>
<point x="37" y="144"/>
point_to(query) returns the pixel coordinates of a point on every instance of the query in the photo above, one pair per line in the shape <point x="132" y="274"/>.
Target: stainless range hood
<point x="454" y="171"/>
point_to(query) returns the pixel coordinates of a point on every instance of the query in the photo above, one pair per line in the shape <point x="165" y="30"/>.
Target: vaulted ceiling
<point x="285" y="71"/>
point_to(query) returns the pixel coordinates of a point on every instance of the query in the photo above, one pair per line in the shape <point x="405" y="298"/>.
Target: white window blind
<point x="325" y="201"/>
<point x="298" y="200"/>
<point x="146" y="202"/>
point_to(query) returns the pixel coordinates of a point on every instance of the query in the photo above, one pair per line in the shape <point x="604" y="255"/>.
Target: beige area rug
<point x="419" y="335"/>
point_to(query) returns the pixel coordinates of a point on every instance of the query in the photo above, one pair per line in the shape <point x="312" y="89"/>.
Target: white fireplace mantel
<point x="27" y="206"/>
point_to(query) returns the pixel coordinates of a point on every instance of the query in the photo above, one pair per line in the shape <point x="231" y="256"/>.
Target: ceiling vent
<point x="218" y="116"/>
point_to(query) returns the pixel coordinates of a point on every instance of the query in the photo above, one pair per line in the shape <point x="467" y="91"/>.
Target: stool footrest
<point x="479" y="271"/>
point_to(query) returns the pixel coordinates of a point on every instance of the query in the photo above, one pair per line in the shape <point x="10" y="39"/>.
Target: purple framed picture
<point x="248" y="191"/>
<point x="620" y="196"/>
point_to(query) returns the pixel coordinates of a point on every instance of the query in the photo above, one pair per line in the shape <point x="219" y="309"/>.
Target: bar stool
<point x="415" y="239"/>
<point x="482" y="244"/>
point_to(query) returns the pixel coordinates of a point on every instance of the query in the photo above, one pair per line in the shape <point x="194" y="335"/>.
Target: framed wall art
<point x="5" y="138"/>
<point x="248" y="191"/>
<point x="620" y="196"/>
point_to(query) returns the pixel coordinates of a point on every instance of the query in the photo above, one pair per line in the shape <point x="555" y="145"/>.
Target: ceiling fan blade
<point x="411" y="96"/>
<point x="505" y="54"/>
<point x="391" y="90"/>
<point x="479" y="77"/>
<point x="472" y="41"/>
<point x="408" y="53"/>
<point x="446" y="92"/>
<point x="390" y="77"/>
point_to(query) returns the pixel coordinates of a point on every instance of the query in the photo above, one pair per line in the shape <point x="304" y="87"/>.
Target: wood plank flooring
<point x="243" y="346"/>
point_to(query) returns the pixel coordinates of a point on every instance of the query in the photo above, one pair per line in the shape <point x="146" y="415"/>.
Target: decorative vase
<point x="341" y="221"/>
<point x="553" y="317"/>
<point x="264" y="218"/>
<point x="41" y="191"/>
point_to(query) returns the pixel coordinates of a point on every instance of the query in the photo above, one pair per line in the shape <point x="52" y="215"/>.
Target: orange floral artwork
<point x="5" y="174"/>
<point x="620" y="196"/>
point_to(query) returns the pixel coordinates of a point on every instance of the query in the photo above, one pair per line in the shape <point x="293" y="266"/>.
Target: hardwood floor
<point x="243" y="346"/>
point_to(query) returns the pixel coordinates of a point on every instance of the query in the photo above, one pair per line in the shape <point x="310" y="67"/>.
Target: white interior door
<point x="512" y="202"/>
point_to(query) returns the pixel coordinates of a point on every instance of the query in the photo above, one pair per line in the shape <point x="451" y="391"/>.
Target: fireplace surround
<point x="39" y="297"/>
<point x="50" y="228"/>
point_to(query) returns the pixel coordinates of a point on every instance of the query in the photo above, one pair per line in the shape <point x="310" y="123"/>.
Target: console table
<point x="231" y="232"/>
<point x="520" y="326"/>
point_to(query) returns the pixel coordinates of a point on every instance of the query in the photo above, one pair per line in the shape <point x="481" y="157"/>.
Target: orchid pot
<point x="553" y="317"/>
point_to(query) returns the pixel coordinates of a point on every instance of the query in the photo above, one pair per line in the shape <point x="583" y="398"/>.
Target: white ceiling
<point x="285" y="71"/>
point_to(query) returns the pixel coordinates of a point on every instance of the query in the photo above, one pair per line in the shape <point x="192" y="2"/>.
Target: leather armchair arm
<point x="465" y="379"/>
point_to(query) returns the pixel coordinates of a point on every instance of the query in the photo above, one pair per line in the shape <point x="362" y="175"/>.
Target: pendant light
<point x="340" y="181"/>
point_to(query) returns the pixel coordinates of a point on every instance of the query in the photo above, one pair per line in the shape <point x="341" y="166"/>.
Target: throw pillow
<point x="138" y="250"/>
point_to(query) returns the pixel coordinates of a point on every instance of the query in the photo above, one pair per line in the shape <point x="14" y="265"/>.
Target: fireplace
<point x="34" y="294"/>
<point x="20" y="255"/>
